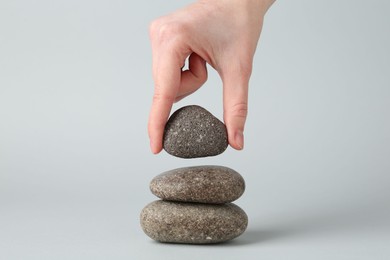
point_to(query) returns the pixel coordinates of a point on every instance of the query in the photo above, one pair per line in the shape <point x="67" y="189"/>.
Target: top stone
<point x="193" y="132"/>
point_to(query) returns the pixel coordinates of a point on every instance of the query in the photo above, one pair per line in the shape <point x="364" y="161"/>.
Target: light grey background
<point x="75" y="165"/>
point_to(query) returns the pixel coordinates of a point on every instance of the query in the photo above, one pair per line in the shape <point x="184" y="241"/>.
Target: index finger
<point x="167" y="72"/>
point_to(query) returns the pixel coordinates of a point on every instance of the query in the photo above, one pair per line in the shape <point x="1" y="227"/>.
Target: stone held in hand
<point x="193" y="223"/>
<point x="203" y="184"/>
<point x="193" y="132"/>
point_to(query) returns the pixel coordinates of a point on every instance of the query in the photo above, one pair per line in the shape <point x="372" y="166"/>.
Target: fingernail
<point x="239" y="138"/>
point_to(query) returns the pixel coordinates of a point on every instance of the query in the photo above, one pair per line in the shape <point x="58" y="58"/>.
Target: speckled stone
<point x="192" y="223"/>
<point x="193" y="132"/>
<point x="204" y="184"/>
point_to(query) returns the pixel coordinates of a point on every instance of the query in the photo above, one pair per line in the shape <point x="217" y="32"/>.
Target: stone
<point x="193" y="132"/>
<point x="193" y="223"/>
<point x="204" y="184"/>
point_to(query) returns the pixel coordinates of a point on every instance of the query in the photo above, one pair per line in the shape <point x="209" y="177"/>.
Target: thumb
<point x="235" y="103"/>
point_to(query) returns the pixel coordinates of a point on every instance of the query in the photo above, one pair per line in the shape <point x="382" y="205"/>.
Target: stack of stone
<point x="195" y="205"/>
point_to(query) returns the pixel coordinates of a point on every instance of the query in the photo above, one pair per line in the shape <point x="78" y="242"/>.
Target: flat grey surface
<point x="75" y="91"/>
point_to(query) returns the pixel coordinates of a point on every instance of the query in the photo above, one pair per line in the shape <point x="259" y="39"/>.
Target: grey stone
<point x="193" y="132"/>
<point x="204" y="184"/>
<point x="192" y="223"/>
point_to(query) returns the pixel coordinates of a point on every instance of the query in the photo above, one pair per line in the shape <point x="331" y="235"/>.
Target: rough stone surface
<point x="192" y="223"/>
<point x="193" y="132"/>
<point x="205" y="184"/>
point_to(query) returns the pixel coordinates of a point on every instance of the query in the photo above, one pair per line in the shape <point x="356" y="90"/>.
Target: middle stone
<point x="203" y="184"/>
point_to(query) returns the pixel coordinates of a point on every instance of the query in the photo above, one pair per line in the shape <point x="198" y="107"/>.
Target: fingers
<point x="172" y="85"/>
<point x="193" y="78"/>
<point x="235" y="102"/>
<point x="167" y="61"/>
<point x="167" y="80"/>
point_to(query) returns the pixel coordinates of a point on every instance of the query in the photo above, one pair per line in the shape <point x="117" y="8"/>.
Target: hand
<point x="223" y="33"/>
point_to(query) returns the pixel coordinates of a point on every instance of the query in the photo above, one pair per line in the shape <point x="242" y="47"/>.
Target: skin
<point x="222" y="33"/>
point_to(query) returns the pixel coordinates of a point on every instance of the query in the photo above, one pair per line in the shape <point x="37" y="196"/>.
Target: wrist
<point x="257" y="6"/>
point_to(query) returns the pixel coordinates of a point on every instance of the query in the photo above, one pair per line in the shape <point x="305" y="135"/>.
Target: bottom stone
<point x="193" y="223"/>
